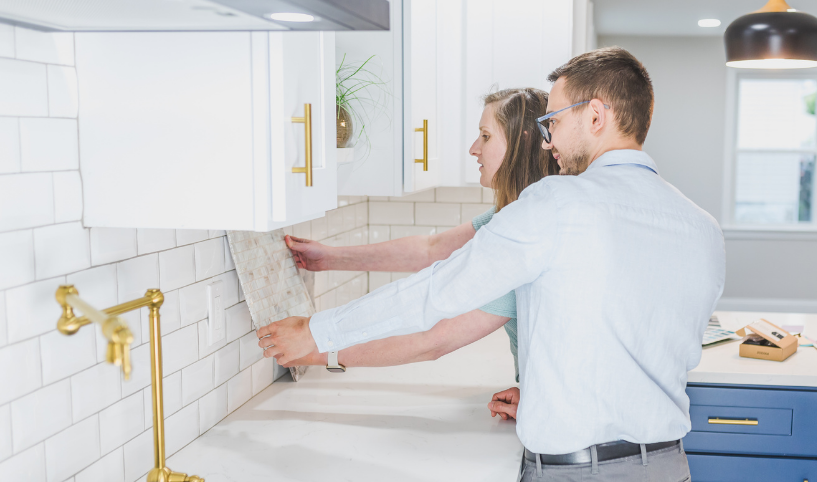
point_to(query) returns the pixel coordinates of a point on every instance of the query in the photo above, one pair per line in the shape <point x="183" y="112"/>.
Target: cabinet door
<point x="301" y="74"/>
<point x="421" y="103"/>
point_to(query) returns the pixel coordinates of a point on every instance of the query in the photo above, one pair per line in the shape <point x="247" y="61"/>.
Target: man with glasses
<point x="616" y="274"/>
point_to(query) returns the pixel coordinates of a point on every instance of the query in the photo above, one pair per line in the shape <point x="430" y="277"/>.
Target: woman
<point x="511" y="158"/>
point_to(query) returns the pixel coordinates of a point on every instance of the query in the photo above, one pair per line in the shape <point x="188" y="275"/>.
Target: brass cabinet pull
<point x="424" y="130"/>
<point x="726" y="421"/>
<point x="307" y="121"/>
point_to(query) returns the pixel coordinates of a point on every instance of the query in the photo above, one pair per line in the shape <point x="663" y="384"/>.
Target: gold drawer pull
<point x="307" y="121"/>
<point x="727" y="421"/>
<point x="424" y="130"/>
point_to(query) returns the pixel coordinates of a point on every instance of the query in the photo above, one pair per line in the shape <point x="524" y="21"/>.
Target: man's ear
<point x="600" y="115"/>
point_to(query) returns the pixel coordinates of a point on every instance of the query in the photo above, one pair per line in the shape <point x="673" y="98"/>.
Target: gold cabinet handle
<point x="307" y="121"/>
<point x="727" y="421"/>
<point x="424" y="130"/>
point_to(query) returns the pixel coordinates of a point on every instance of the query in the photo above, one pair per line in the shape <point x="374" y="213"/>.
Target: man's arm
<point x="510" y="251"/>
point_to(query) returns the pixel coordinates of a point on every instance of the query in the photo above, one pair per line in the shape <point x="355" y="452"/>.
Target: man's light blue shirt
<point x="616" y="275"/>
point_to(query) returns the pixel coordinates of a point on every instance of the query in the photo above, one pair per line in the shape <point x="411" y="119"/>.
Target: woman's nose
<point x="474" y="150"/>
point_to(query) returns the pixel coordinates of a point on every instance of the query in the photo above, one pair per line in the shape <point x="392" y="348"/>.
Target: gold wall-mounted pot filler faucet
<point x="119" y="337"/>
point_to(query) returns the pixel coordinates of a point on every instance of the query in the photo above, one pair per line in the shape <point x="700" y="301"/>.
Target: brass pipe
<point x="120" y="338"/>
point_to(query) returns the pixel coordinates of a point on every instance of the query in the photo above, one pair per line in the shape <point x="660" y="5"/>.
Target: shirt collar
<point x="623" y="156"/>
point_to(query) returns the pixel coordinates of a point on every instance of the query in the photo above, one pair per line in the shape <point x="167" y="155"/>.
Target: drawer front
<point x="750" y="420"/>
<point x="719" y="468"/>
<point x="786" y="421"/>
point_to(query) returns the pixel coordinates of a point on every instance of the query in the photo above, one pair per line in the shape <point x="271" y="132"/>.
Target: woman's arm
<point x="445" y="337"/>
<point x="411" y="253"/>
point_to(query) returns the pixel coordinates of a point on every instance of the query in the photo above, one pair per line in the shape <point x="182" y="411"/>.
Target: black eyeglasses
<point x="545" y="121"/>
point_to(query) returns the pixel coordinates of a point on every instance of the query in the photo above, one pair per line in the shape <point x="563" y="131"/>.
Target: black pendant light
<point x="774" y="37"/>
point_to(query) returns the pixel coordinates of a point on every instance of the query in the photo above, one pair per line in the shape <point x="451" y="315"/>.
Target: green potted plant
<point x="360" y="97"/>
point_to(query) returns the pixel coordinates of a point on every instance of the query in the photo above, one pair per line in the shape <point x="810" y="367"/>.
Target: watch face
<point x="336" y="369"/>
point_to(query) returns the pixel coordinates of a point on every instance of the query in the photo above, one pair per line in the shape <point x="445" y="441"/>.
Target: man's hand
<point x="309" y="255"/>
<point x="314" y="358"/>
<point x="505" y="403"/>
<point x="287" y="340"/>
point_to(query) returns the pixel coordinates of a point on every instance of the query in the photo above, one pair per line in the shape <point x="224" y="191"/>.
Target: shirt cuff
<point x="325" y="331"/>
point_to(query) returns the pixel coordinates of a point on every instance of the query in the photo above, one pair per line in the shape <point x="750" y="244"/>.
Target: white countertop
<point x="722" y="364"/>
<point x="414" y="423"/>
<point x="418" y="423"/>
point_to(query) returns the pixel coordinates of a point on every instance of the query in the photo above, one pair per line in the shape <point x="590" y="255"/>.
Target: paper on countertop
<point x="272" y="286"/>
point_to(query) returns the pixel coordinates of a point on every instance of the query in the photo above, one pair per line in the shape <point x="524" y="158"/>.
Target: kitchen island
<point x="414" y="423"/>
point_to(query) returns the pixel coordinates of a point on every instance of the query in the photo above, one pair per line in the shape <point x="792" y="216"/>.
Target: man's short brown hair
<point x="618" y="79"/>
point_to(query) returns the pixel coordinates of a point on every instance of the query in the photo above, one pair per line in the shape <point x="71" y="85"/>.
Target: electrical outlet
<point x="216" y="330"/>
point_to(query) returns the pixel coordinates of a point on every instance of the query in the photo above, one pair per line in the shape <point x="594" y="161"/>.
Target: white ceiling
<point x="678" y="17"/>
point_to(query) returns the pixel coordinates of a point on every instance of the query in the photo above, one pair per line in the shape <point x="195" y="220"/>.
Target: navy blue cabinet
<point x="752" y="433"/>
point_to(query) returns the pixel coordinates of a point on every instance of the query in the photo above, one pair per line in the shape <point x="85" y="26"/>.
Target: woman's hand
<point x="505" y="403"/>
<point x="309" y="255"/>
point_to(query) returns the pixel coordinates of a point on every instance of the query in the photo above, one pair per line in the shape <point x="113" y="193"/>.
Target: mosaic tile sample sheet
<point x="272" y="286"/>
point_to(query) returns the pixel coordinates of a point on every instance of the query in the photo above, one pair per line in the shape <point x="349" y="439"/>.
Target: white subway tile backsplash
<point x="226" y="363"/>
<point x="190" y="236"/>
<point x="67" y="196"/>
<point x="23" y="89"/>
<point x="329" y="300"/>
<point x="17" y="258"/>
<point x="193" y="302"/>
<point x="172" y="388"/>
<point x="30" y="310"/>
<point x="398" y="232"/>
<point x="61" y="249"/>
<point x="397" y="276"/>
<point x="391" y="213"/>
<point x="45" y="47"/>
<point x="182" y="428"/>
<point x="3" y="322"/>
<point x="94" y="389"/>
<point x="110" y="468"/>
<point x="239" y="321"/>
<point x="63" y="96"/>
<point x="138" y="455"/>
<point x="249" y="351"/>
<point x="438" y="214"/>
<point x="152" y="240"/>
<point x="9" y="143"/>
<point x="40" y="415"/>
<point x="63" y="356"/>
<point x="378" y="279"/>
<point x="358" y="237"/>
<point x="97" y="286"/>
<point x="319" y="229"/>
<point x="121" y="422"/>
<point x="179" y="349"/>
<point x="459" y="195"/>
<point x="229" y="262"/>
<point x="239" y="390"/>
<point x="303" y="230"/>
<point x="470" y="211"/>
<point x="5" y="432"/>
<point x="215" y="233"/>
<point x="422" y="196"/>
<point x="177" y="268"/>
<point x="20" y="371"/>
<point x="209" y="258"/>
<point x="487" y="195"/>
<point x="361" y="214"/>
<point x="170" y="320"/>
<point x="378" y="234"/>
<point x="48" y="144"/>
<point x="135" y="276"/>
<point x="204" y="348"/>
<point x="262" y="373"/>
<point x="197" y="379"/>
<point x="28" y="466"/>
<point x="26" y="201"/>
<point x="349" y="217"/>
<point x="140" y="374"/>
<point x="72" y="450"/>
<point x="6" y="40"/>
<point x="212" y="408"/>
<point x="109" y="245"/>
<point x="334" y="221"/>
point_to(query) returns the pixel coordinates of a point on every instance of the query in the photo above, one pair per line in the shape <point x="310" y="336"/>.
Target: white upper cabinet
<point x="448" y="55"/>
<point x="206" y="130"/>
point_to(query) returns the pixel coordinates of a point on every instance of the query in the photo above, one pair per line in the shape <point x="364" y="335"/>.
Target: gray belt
<point x="606" y="451"/>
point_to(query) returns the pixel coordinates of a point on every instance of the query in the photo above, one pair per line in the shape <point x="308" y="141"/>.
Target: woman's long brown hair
<point x="525" y="161"/>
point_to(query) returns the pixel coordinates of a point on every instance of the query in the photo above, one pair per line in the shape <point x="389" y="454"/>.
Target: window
<point x="774" y="150"/>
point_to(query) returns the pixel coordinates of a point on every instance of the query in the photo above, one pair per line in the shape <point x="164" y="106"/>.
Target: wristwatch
<point x="332" y="363"/>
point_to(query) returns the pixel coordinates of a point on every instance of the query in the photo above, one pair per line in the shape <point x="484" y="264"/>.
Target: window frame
<point x="728" y="223"/>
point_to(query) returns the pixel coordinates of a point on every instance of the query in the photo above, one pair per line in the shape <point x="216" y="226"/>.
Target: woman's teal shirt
<point x="504" y="306"/>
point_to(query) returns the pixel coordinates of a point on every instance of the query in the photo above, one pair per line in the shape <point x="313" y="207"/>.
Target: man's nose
<point x="547" y="145"/>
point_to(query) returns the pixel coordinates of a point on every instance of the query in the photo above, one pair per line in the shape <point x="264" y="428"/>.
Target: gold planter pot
<point x="344" y="126"/>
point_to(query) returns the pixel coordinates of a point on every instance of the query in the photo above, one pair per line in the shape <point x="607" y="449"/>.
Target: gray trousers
<point x="665" y="465"/>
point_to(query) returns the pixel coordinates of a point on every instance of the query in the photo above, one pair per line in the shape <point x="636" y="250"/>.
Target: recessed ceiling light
<point x="709" y="22"/>
<point x="291" y="17"/>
